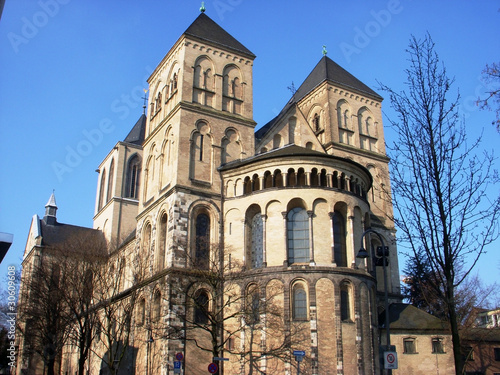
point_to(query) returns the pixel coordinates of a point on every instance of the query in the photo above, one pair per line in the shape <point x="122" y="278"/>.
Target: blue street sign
<point x="177" y="364"/>
<point x="299" y="353"/>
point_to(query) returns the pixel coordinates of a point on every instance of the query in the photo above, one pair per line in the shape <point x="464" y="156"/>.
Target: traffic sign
<point x="179" y="356"/>
<point x="390" y="360"/>
<point x="299" y="353"/>
<point x="220" y="359"/>
<point x="212" y="368"/>
<point x="177" y="364"/>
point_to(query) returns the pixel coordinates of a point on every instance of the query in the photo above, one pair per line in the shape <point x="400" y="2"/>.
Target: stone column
<point x="311" y="237"/>
<point x="285" y="261"/>
<point x="264" y="251"/>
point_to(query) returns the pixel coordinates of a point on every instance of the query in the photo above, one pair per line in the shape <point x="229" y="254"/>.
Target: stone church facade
<point x="278" y="214"/>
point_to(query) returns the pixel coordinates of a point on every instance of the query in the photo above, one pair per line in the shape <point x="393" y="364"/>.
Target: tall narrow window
<point x="110" y="180"/>
<point x="133" y="177"/>
<point x="202" y="246"/>
<point x="298" y="235"/>
<point x="162" y="242"/>
<point x="156" y="306"/>
<point x="201" y="306"/>
<point x="141" y="318"/>
<point x="339" y="240"/>
<point x="256" y="238"/>
<point x="299" y="303"/>
<point x="101" y="189"/>
<point x="345" y="302"/>
<point x="201" y="147"/>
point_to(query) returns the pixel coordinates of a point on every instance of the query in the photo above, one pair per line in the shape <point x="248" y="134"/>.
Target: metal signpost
<point x="299" y="356"/>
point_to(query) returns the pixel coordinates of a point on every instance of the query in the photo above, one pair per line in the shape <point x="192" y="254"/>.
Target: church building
<point x="234" y="246"/>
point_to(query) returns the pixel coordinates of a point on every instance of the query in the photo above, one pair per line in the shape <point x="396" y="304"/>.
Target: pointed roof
<point x="328" y="70"/>
<point x="52" y="201"/>
<point x="136" y="135"/>
<point x="325" y="70"/>
<point x="206" y="29"/>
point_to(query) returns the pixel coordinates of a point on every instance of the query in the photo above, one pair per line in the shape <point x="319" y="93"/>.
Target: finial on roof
<point x="145" y="100"/>
<point x="324" y="51"/>
<point x="202" y="9"/>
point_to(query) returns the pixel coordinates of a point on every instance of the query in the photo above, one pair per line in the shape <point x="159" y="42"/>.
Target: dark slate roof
<point x="325" y="70"/>
<point x="407" y="317"/>
<point x="58" y="233"/>
<point x="206" y="29"/>
<point x="136" y="135"/>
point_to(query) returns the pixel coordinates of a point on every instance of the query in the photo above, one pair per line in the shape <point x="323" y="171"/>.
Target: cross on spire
<point x="202" y="9"/>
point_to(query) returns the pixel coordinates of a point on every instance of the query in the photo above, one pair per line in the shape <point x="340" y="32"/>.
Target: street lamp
<point x="362" y="253"/>
<point x="149" y="341"/>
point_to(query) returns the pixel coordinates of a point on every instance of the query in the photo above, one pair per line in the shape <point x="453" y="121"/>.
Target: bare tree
<point x="116" y="294"/>
<point x="44" y="313"/>
<point x="440" y="186"/>
<point x="222" y="303"/>
<point x="491" y="77"/>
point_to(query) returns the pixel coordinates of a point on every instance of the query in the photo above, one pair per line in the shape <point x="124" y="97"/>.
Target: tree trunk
<point x="455" y="337"/>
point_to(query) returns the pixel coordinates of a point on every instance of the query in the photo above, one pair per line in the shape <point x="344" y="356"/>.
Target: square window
<point x="409" y="346"/>
<point x="437" y="345"/>
<point x="467" y="353"/>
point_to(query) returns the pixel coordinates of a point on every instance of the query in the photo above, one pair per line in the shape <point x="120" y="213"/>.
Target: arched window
<point x="202" y="241"/>
<point x="156" y="313"/>
<point x="256" y="237"/>
<point x="146" y="238"/>
<point x="253" y="305"/>
<point x="110" y="180"/>
<point x="162" y="242"/>
<point x="101" y="189"/>
<point x="141" y="313"/>
<point x="299" y="298"/>
<point x="133" y="177"/>
<point x="339" y="240"/>
<point x="316" y="123"/>
<point x="201" y="306"/>
<point x="298" y="235"/>
<point x="345" y="302"/>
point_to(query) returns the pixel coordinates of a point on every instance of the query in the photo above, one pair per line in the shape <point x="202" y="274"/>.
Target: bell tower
<point x="200" y="112"/>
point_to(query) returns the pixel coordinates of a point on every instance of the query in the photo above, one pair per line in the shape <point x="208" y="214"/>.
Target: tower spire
<point x="202" y="8"/>
<point x="50" y="210"/>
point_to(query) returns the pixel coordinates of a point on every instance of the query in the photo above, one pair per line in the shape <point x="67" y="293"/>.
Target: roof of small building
<point x="206" y="29"/>
<point x="405" y="317"/>
<point x="481" y="334"/>
<point x="59" y="233"/>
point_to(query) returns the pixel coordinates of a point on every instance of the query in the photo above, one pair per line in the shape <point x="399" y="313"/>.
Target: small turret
<point x="50" y="211"/>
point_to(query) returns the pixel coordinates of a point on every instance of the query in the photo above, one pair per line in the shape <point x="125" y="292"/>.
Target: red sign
<point x="212" y="368"/>
<point x="179" y="356"/>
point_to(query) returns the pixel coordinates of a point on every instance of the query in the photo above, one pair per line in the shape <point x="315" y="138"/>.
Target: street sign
<point x="220" y="359"/>
<point x="299" y="353"/>
<point x="390" y="360"/>
<point x="177" y="364"/>
<point x="212" y="368"/>
<point x="179" y="356"/>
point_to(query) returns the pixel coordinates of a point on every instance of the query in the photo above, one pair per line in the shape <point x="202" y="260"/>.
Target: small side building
<point x="423" y="342"/>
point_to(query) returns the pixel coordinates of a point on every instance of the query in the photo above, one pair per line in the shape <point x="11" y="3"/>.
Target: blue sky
<point x="72" y="74"/>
